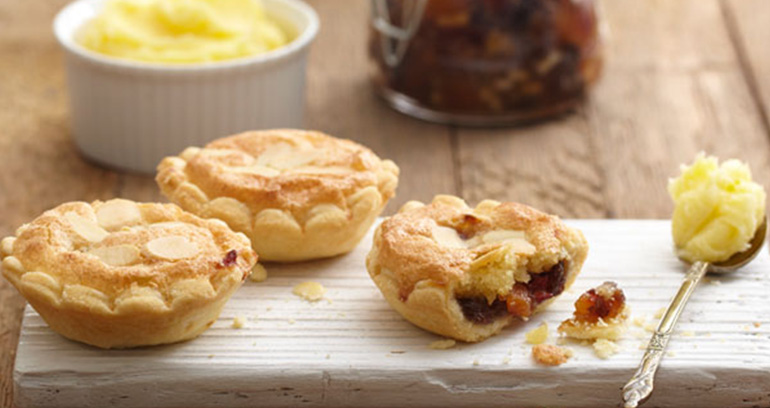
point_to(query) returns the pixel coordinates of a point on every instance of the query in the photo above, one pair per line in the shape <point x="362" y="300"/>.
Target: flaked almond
<point x="516" y="240"/>
<point x="447" y="237"/>
<point x="258" y="170"/>
<point x="172" y="247"/>
<point x="322" y="170"/>
<point x="116" y="213"/>
<point x="85" y="228"/>
<point x="168" y="224"/>
<point x="118" y="255"/>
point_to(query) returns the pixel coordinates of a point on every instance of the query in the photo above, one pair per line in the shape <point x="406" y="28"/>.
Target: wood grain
<point x="750" y="31"/>
<point x="355" y="351"/>
<point x="673" y="87"/>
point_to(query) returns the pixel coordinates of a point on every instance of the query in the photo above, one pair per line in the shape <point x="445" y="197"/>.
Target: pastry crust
<point x="422" y="270"/>
<point x="298" y="195"/>
<point x="120" y="274"/>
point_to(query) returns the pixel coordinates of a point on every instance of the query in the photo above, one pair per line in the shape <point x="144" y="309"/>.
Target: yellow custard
<point x="182" y="31"/>
<point x="717" y="209"/>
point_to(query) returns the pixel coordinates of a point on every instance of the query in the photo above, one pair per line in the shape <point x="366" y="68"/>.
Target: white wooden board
<point x="353" y="350"/>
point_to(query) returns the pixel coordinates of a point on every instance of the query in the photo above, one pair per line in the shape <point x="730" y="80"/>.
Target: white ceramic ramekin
<point x="129" y="115"/>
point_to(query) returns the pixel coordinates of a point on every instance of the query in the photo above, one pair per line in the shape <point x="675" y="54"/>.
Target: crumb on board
<point x="210" y="356"/>
<point x="328" y="356"/>
<point x="757" y="324"/>
<point x="659" y="313"/>
<point x="397" y="351"/>
<point x="604" y="348"/>
<point x="551" y="355"/>
<point x="292" y="321"/>
<point x="310" y="291"/>
<point x="238" y="322"/>
<point x="670" y="354"/>
<point x="537" y="335"/>
<point x="258" y="273"/>
<point x="650" y="327"/>
<point x="442" y="344"/>
<point x="639" y="321"/>
<point x="506" y="360"/>
<point x="688" y="333"/>
<point x="476" y="362"/>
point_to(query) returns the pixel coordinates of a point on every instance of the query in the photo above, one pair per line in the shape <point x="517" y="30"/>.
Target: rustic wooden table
<point x="681" y="76"/>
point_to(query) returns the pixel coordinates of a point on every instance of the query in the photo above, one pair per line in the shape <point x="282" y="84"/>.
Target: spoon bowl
<point x="740" y="259"/>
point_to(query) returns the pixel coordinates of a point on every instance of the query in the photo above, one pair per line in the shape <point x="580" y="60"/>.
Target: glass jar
<point x="484" y="62"/>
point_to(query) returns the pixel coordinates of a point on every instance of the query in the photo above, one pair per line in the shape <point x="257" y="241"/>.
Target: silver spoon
<point x="639" y="388"/>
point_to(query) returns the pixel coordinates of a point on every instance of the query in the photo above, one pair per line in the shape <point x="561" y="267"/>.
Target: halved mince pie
<point x="468" y="272"/>
<point x="120" y="274"/>
<point x="297" y="194"/>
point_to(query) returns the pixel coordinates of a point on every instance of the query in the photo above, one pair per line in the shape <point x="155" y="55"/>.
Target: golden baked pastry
<point x="120" y="274"/>
<point x="297" y="194"/>
<point x="468" y="272"/>
<point x="600" y="313"/>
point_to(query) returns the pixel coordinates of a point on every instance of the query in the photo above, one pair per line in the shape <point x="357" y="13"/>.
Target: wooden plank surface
<point x="681" y="76"/>
<point x="672" y="86"/>
<point x="352" y="350"/>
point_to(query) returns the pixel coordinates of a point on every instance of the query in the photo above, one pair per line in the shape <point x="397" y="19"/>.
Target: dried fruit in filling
<point x="600" y="313"/>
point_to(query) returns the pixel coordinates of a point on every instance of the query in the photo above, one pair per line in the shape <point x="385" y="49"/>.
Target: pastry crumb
<point x="538" y="335"/>
<point x="649" y="327"/>
<point x="670" y="354"/>
<point x="442" y="344"/>
<point x="238" y="322"/>
<point x="210" y="356"/>
<point x="328" y="356"/>
<point x="310" y="291"/>
<point x="688" y="333"/>
<point x="604" y="348"/>
<point x="659" y="313"/>
<point x="258" y="273"/>
<point x="757" y="324"/>
<point x="506" y="360"/>
<point x="292" y="321"/>
<point x="476" y="362"/>
<point x="397" y="351"/>
<point x="639" y="321"/>
<point x="551" y="355"/>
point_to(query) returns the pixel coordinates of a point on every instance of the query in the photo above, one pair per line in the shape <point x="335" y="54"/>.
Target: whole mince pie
<point x="297" y="194"/>
<point x="600" y="313"/>
<point x="466" y="272"/>
<point x="120" y="274"/>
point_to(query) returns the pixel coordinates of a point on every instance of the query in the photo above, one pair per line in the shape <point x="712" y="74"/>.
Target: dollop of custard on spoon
<point x="717" y="209"/>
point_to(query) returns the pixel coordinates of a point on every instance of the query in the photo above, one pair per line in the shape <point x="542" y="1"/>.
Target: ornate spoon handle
<point x="639" y="388"/>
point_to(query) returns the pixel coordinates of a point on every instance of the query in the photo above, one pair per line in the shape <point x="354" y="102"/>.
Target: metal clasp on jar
<point x="411" y="14"/>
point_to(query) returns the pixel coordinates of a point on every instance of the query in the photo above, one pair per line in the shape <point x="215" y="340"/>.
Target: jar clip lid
<point x="411" y="15"/>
